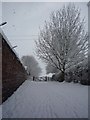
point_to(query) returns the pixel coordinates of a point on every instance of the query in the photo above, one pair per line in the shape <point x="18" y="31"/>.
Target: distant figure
<point x="33" y="78"/>
<point x="46" y="78"/>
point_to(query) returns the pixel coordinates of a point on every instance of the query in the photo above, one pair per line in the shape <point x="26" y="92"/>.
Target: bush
<point x="68" y="76"/>
<point x="78" y="74"/>
<point x="58" y="77"/>
<point x="84" y="80"/>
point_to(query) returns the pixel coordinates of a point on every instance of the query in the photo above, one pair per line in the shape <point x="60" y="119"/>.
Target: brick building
<point x="13" y="72"/>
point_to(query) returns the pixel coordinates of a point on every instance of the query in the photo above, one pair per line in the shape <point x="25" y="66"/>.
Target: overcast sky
<point x="25" y="18"/>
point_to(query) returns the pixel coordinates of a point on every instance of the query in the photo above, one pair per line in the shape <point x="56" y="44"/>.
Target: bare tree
<point x="63" y="41"/>
<point x="51" y="69"/>
<point x="32" y="65"/>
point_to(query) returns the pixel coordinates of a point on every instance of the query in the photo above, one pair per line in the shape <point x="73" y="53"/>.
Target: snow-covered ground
<point x="47" y="100"/>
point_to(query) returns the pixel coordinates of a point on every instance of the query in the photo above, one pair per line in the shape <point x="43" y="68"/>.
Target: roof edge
<point x="7" y="41"/>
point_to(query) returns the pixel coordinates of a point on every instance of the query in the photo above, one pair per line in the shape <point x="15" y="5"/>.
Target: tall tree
<point x="63" y="41"/>
<point x="51" y="69"/>
<point x="32" y="65"/>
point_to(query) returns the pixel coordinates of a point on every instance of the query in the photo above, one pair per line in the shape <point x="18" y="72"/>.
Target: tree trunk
<point x="63" y="72"/>
<point x="62" y="76"/>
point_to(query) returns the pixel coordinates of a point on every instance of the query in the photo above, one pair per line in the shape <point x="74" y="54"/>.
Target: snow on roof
<point x="6" y="39"/>
<point x="49" y="75"/>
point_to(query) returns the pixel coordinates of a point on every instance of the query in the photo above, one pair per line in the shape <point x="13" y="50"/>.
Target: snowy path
<point x="47" y="100"/>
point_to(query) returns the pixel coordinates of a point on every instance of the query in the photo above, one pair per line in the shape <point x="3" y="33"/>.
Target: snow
<point x="47" y="100"/>
<point x="49" y="75"/>
<point x="6" y="39"/>
<point x="8" y="42"/>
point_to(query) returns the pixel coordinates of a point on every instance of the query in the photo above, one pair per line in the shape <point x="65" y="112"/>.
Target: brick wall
<point x="13" y="73"/>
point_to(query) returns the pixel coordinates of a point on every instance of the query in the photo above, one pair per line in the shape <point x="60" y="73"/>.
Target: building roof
<point x="13" y="50"/>
<point x="6" y="39"/>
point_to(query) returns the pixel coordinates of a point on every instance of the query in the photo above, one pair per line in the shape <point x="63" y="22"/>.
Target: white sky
<point x="25" y="18"/>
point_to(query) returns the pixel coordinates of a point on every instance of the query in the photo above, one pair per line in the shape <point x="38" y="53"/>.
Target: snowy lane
<point x="47" y="100"/>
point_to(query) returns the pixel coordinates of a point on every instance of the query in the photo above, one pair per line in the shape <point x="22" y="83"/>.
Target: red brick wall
<point x="13" y="73"/>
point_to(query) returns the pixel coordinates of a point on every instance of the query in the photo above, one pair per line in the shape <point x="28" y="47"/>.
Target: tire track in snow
<point x="47" y="100"/>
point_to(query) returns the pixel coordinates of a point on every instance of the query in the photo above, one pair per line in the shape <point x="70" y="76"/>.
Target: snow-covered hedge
<point x="78" y="74"/>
